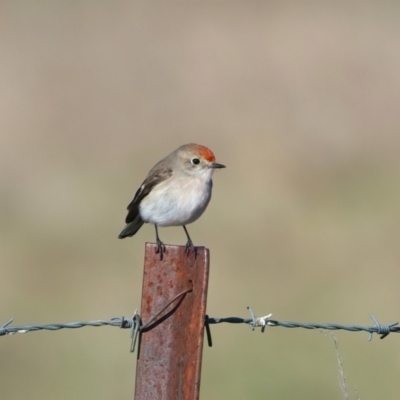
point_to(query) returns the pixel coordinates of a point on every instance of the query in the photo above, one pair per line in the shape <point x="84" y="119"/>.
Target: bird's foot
<point x="189" y="245"/>
<point x="160" y="248"/>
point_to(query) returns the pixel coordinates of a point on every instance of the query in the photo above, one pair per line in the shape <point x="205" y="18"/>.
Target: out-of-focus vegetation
<point x="300" y="100"/>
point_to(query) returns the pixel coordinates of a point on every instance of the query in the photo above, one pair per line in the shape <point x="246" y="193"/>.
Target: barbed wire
<point x="134" y="323"/>
<point x="263" y="322"/>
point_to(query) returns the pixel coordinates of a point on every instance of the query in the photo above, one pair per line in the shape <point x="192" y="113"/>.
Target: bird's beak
<point x="216" y="165"/>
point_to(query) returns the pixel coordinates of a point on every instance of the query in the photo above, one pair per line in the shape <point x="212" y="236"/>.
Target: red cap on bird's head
<point x="205" y="152"/>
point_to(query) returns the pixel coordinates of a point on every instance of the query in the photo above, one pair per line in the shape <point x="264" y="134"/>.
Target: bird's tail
<point x="131" y="228"/>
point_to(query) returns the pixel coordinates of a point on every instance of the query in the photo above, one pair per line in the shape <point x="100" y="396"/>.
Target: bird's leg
<point x="160" y="245"/>
<point x="189" y="243"/>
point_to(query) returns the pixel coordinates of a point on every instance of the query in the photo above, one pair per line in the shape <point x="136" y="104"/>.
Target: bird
<point x="176" y="192"/>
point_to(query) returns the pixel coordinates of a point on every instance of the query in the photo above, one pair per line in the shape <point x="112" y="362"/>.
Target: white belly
<point x="180" y="204"/>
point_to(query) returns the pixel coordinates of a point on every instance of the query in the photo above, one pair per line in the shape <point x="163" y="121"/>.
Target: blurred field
<point x="299" y="99"/>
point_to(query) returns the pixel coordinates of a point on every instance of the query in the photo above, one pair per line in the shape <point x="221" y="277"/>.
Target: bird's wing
<point x="156" y="176"/>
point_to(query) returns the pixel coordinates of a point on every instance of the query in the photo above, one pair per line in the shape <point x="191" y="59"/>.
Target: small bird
<point x="176" y="192"/>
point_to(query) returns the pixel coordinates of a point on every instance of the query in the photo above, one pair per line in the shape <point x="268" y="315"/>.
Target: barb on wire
<point x="382" y="330"/>
<point x="11" y="330"/>
<point x="261" y="321"/>
<point x="3" y="330"/>
<point x="253" y="322"/>
<point x="134" y="323"/>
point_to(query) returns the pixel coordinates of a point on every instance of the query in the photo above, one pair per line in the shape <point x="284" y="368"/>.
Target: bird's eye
<point x="195" y="161"/>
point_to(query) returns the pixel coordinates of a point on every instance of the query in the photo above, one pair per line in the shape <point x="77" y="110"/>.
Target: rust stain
<point x="170" y="352"/>
<point x="149" y="299"/>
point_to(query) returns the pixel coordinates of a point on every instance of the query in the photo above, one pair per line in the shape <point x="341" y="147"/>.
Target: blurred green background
<point x="300" y="100"/>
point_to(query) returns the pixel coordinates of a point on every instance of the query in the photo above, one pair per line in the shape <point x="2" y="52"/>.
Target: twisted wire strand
<point x="381" y="329"/>
<point x="134" y="323"/>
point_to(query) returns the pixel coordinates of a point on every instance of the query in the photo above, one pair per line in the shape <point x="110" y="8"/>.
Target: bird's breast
<point x="176" y="201"/>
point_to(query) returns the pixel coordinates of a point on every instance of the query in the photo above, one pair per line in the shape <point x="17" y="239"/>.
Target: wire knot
<point x="125" y="323"/>
<point x="256" y="322"/>
<point x="382" y="330"/>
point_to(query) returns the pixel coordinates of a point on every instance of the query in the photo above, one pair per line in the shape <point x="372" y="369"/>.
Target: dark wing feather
<point x="157" y="175"/>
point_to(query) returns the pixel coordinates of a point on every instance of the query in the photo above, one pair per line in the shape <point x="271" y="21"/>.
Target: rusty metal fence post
<point x="170" y="347"/>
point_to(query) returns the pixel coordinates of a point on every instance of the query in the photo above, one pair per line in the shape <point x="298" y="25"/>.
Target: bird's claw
<point x="160" y="248"/>
<point x="189" y="245"/>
